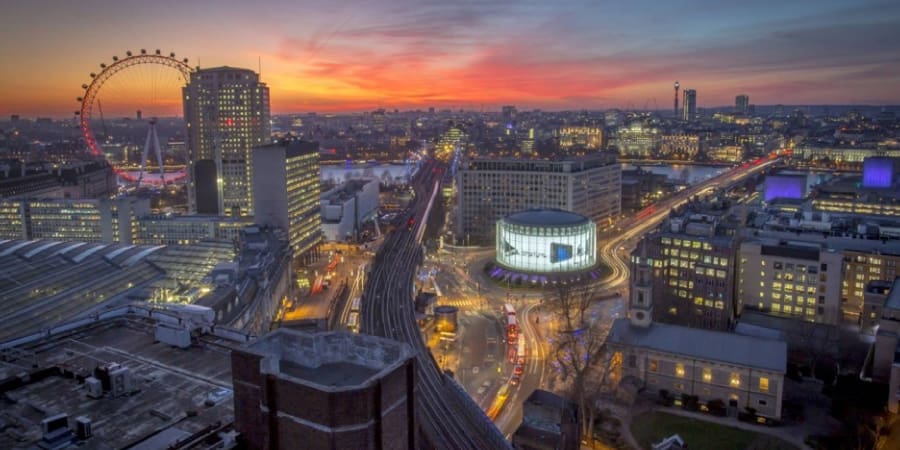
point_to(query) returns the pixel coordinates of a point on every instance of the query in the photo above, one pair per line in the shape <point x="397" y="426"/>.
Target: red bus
<point x="512" y="330"/>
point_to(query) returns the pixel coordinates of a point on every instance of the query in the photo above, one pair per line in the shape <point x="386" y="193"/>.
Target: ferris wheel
<point x="142" y="84"/>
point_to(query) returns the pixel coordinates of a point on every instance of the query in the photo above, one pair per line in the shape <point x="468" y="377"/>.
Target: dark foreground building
<point x="549" y="422"/>
<point x="324" y="391"/>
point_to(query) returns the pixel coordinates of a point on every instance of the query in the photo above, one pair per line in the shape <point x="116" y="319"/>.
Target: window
<point x="707" y="374"/>
<point x="735" y="379"/>
<point x="654" y="365"/>
<point x="763" y="384"/>
<point x="762" y="402"/>
<point x="679" y="370"/>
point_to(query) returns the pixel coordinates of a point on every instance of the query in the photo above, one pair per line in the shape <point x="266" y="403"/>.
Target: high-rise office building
<point x="690" y="105"/>
<point x="489" y="189"/>
<point x="509" y="115"/>
<point x="286" y="192"/>
<point x="742" y="104"/>
<point x="226" y="111"/>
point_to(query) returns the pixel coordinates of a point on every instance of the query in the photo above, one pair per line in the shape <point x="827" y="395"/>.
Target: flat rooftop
<point x="176" y="392"/>
<point x="330" y="361"/>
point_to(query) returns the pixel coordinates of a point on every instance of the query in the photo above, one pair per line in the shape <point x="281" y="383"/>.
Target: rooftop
<point x="46" y="282"/>
<point x="331" y="361"/>
<point x="546" y="217"/>
<point x="175" y="393"/>
<point x="703" y="344"/>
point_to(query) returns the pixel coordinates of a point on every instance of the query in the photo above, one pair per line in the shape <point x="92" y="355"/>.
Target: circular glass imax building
<point x="546" y="241"/>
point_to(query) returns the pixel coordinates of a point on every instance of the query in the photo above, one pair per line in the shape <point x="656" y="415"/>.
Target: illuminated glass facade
<point x="226" y="111"/>
<point x="286" y="192"/>
<point x="546" y="241"/>
<point x="86" y="220"/>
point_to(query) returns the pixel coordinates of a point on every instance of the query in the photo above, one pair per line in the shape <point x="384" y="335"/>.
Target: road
<point x="616" y="251"/>
<point x="446" y="415"/>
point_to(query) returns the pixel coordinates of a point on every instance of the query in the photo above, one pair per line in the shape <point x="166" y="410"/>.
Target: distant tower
<point x="690" y="105"/>
<point x="676" y="97"/>
<point x="742" y="104"/>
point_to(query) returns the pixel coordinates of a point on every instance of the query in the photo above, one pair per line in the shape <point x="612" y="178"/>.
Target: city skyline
<point x="353" y="56"/>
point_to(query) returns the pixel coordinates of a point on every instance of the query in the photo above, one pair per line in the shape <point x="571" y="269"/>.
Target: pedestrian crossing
<point x="460" y="302"/>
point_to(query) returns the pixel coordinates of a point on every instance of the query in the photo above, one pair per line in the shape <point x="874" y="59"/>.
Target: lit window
<point x="735" y="379"/>
<point x="707" y="374"/>
<point x="679" y="370"/>
<point x="763" y="384"/>
<point x="654" y="365"/>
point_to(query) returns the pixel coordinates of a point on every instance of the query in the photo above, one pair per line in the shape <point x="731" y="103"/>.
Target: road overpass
<point x="652" y="216"/>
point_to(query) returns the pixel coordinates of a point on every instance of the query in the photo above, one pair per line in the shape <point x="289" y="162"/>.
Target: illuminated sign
<point x="548" y="248"/>
<point x="785" y="186"/>
<point x="878" y="172"/>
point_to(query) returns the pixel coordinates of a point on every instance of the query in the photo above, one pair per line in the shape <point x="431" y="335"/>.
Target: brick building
<point x="324" y="391"/>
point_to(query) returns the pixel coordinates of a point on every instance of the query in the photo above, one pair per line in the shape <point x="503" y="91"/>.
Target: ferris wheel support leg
<point x="144" y="155"/>
<point x="159" y="158"/>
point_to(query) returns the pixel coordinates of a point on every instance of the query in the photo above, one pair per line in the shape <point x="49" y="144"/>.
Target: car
<point x="518" y="370"/>
<point x="514" y="380"/>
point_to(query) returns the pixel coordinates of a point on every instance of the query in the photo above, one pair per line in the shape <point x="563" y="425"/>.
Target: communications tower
<point x="676" y="97"/>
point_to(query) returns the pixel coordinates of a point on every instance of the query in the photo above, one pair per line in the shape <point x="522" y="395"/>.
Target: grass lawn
<point x="699" y="435"/>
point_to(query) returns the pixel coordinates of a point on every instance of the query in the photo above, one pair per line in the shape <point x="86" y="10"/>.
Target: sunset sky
<point x="360" y="55"/>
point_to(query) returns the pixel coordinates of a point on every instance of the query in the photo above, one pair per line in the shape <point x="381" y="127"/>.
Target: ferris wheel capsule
<point x="84" y="86"/>
<point x="143" y="51"/>
<point x="171" y="54"/>
<point x="128" y="53"/>
<point x="102" y="65"/>
<point x="93" y="75"/>
<point x="185" y="60"/>
<point x="115" y="58"/>
<point x="158" y="52"/>
<point x="80" y="99"/>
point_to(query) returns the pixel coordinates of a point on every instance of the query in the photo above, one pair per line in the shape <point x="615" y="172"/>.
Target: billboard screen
<point x="785" y="186"/>
<point x="878" y="172"/>
<point x="545" y="249"/>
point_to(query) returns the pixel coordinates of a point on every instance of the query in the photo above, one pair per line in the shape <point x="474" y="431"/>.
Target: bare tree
<point x="579" y="349"/>
<point x="821" y="342"/>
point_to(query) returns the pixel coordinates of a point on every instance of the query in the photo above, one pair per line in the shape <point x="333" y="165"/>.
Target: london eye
<point x="143" y="86"/>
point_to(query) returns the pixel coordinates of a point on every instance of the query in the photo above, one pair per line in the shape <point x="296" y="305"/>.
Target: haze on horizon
<point x="333" y="56"/>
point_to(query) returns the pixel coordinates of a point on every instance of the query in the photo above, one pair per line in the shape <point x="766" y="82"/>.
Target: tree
<point x="580" y="352"/>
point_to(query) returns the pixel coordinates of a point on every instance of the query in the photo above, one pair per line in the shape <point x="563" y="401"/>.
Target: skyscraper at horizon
<point x="742" y="104"/>
<point x="690" y="105"/>
<point x="226" y="112"/>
